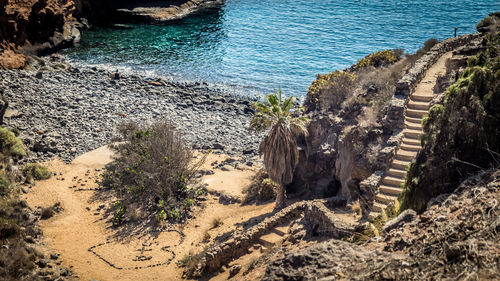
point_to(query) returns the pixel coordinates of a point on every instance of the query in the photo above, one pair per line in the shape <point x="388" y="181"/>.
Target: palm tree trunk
<point x="280" y="197"/>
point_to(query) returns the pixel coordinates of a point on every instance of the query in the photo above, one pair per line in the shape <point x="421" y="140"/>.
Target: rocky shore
<point x="64" y="111"/>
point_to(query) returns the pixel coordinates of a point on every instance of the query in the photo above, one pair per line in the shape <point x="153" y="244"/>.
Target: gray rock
<point x="405" y="217"/>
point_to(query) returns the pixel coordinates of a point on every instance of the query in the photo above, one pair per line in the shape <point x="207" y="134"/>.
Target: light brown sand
<point x="76" y="230"/>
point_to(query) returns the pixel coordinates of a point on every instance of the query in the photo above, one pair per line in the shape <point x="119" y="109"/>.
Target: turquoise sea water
<point x="258" y="46"/>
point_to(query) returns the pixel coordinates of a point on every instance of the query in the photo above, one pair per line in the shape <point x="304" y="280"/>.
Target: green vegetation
<point x="15" y="262"/>
<point x="279" y="147"/>
<point x="36" y="171"/>
<point x="330" y="90"/>
<point x="379" y="59"/>
<point x="261" y="189"/>
<point x="152" y="172"/>
<point x="388" y="214"/>
<point x="5" y="185"/>
<point x="462" y="135"/>
<point x="10" y="145"/>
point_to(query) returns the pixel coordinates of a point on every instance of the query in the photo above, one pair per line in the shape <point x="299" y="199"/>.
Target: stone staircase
<point x="417" y="107"/>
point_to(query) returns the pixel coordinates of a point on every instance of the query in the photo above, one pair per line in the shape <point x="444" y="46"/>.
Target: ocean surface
<point x="253" y="46"/>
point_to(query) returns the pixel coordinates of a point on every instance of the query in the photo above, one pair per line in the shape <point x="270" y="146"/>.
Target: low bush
<point x="36" y="171"/>
<point x="379" y="59"/>
<point x="10" y="145"/>
<point x="153" y="169"/>
<point x="260" y="189"/>
<point x="329" y="90"/>
<point x="5" y="185"/>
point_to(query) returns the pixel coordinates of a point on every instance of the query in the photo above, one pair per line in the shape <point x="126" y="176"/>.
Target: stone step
<point x="413" y="120"/>
<point x="270" y="239"/>
<point x="393" y="181"/>
<point x="280" y="230"/>
<point x="416" y="113"/>
<point x="413" y="126"/>
<point x="407" y="155"/>
<point x="378" y="207"/>
<point x="385" y="198"/>
<point x="413" y="133"/>
<point x="400" y="164"/>
<point x="392" y="190"/>
<point x="396" y="172"/>
<point x="373" y="214"/>
<point x="426" y="98"/>
<point x="421" y="105"/>
<point x="410" y="147"/>
<point x="412" y="141"/>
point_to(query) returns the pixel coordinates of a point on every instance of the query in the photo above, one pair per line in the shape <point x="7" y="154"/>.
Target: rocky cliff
<point x="35" y="27"/>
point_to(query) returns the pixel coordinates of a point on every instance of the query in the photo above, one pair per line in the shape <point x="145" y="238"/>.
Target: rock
<point x="29" y="239"/>
<point x="115" y="75"/>
<point x="4" y="104"/>
<point x="42" y="263"/>
<point x="218" y="146"/>
<point x="405" y="217"/>
<point x="235" y="269"/>
<point x="227" y="168"/>
<point x="11" y="60"/>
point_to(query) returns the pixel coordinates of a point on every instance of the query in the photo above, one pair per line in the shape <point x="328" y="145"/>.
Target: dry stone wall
<point x="317" y="216"/>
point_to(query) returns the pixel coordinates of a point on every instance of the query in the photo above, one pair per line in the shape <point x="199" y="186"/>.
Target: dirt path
<point x="418" y="107"/>
<point x="95" y="250"/>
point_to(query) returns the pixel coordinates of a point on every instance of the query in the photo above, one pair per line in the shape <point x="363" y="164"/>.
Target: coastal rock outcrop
<point x="35" y="27"/>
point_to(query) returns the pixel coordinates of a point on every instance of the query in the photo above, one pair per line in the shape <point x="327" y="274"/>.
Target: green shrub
<point x="36" y="171"/>
<point x="261" y="188"/>
<point x="10" y="145"/>
<point x="5" y="185"/>
<point x="379" y="59"/>
<point x="119" y="213"/>
<point x="330" y="90"/>
<point x="153" y="169"/>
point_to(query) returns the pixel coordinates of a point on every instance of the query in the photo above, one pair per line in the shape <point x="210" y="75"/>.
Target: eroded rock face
<point x="35" y="27"/>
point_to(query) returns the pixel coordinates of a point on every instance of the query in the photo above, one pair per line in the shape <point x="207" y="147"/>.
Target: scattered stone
<point x="235" y="269"/>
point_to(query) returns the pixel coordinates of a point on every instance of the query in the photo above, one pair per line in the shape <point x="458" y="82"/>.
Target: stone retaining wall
<point x="317" y="215"/>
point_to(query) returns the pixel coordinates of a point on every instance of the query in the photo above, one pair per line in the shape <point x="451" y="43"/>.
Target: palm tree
<point x="279" y="147"/>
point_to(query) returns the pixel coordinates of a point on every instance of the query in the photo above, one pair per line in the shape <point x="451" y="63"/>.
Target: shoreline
<point x="63" y="111"/>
